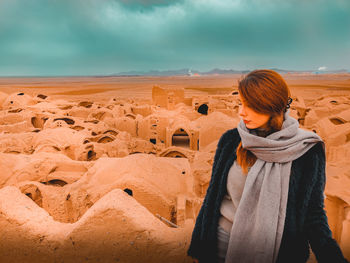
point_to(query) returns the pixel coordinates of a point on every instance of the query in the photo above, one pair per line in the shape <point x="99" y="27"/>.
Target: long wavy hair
<point x="266" y="92"/>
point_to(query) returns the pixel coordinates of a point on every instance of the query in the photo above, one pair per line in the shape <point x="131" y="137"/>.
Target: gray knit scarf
<point x="259" y="220"/>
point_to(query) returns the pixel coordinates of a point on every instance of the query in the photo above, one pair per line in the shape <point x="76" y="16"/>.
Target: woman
<point x="265" y="198"/>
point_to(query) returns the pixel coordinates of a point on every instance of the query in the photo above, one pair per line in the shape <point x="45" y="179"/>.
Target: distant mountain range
<point x="190" y="72"/>
<point x="180" y="72"/>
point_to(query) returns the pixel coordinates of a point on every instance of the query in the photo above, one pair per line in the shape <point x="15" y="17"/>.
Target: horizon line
<point x="136" y="73"/>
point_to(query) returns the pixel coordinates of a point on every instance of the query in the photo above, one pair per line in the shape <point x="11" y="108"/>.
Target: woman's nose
<point x="241" y="111"/>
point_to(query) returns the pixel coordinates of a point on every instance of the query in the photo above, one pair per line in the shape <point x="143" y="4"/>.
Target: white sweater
<point x="235" y="185"/>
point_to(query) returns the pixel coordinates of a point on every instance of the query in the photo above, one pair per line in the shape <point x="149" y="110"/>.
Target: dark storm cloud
<point x="147" y="4"/>
<point x="64" y="37"/>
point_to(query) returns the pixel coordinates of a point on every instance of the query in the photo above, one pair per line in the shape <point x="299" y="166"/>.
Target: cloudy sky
<point x="97" y="37"/>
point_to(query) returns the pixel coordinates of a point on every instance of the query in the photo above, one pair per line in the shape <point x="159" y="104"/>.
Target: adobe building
<point x="226" y="104"/>
<point x="133" y="170"/>
<point x="169" y="131"/>
<point x="168" y="97"/>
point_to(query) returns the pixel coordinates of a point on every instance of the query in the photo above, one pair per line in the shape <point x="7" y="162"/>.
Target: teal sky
<point x="98" y="37"/>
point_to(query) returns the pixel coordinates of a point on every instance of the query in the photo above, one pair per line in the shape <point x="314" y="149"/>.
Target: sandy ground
<point x="79" y="199"/>
<point x="309" y="86"/>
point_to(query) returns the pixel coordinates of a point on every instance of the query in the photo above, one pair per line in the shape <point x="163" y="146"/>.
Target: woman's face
<point x="251" y="118"/>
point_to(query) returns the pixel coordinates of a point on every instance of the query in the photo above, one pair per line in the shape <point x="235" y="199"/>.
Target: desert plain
<point x="115" y="168"/>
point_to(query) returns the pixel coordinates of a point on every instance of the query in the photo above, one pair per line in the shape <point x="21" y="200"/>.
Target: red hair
<point x="266" y="92"/>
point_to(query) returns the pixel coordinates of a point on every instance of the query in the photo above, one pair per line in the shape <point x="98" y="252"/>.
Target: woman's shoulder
<point x="231" y="133"/>
<point x="314" y="156"/>
<point x="316" y="150"/>
<point x="319" y="146"/>
<point x="229" y="136"/>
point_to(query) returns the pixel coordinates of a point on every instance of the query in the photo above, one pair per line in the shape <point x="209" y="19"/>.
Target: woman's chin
<point x="250" y="126"/>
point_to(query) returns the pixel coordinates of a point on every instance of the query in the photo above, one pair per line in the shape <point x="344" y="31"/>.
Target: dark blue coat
<point x="306" y="222"/>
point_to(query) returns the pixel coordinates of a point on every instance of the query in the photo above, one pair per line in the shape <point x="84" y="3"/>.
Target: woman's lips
<point x="245" y="121"/>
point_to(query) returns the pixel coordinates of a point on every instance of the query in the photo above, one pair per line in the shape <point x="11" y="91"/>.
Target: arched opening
<point x="66" y="107"/>
<point x="56" y="148"/>
<point x="41" y="96"/>
<point x="131" y="116"/>
<point x="128" y="191"/>
<point x="67" y="120"/>
<point x="91" y="155"/>
<point x="15" y="152"/>
<point x="105" y="139"/>
<point x="37" y="123"/>
<point x="180" y="138"/>
<point x="337" y="121"/>
<point x="55" y="182"/>
<point x="92" y="121"/>
<point x="78" y="128"/>
<point x="33" y="192"/>
<point x="86" y="104"/>
<point x="175" y="154"/>
<point x="15" y="110"/>
<point x="203" y="109"/>
<point x="112" y="132"/>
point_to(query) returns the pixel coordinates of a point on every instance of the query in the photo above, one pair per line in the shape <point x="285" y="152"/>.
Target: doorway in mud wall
<point x="180" y="138"/>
